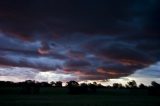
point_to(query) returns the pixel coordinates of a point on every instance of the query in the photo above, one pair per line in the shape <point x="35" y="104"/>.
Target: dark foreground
<point x="60" y="97"/>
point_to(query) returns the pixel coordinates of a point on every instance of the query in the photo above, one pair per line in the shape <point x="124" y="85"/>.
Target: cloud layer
<point x="91" y="39"/>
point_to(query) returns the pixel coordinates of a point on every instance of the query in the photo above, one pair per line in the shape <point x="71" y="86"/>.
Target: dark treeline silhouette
<point x="33" y="87"/>
<point x="76" y="88"/>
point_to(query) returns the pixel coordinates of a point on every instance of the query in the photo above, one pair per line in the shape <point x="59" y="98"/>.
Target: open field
<point x="59" y="97"/>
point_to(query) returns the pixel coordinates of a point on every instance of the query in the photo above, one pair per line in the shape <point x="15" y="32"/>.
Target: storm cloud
<point x="98" y="39"/>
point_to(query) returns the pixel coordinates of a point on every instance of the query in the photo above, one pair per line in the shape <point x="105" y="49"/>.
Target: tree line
<point x="33" y="87"/>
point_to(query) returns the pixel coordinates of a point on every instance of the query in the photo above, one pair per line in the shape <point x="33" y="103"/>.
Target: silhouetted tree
<point x="154" y="89"/>
<point x="58" y="84"/>
<point x="84" y="88"/>
<point x="117" y="85"/>
<point x="83" y="85"/>
<point x="27" y="87"/>
<point x="155" y="84"/>
<point x="92" y="87"/>
<point x="72" y="84"/>
<point x="73" y="87"/>
<point x="36" y="88"/>
<point x="142" y="86"/>
<point x="100" y="86"/>
<point x="45" y="84"/>
<point x="30" y="87"/>
<point x="132" y="84"/>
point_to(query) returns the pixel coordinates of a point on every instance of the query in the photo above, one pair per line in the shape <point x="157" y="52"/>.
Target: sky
<point x="82" y="40"/>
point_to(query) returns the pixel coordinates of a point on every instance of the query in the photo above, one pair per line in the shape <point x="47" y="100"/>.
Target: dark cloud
<point x="15" y="52"/>
<point x="76" y="54"/>
<point x="76" y="65"/>
<point x="123" y="52"/>
<point x="115" y="70"/>
<point x="95" y="39"/>
<point x="106" y="16"/>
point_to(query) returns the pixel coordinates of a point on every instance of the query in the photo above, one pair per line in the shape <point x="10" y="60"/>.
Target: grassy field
<point x="59" y="97"/>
